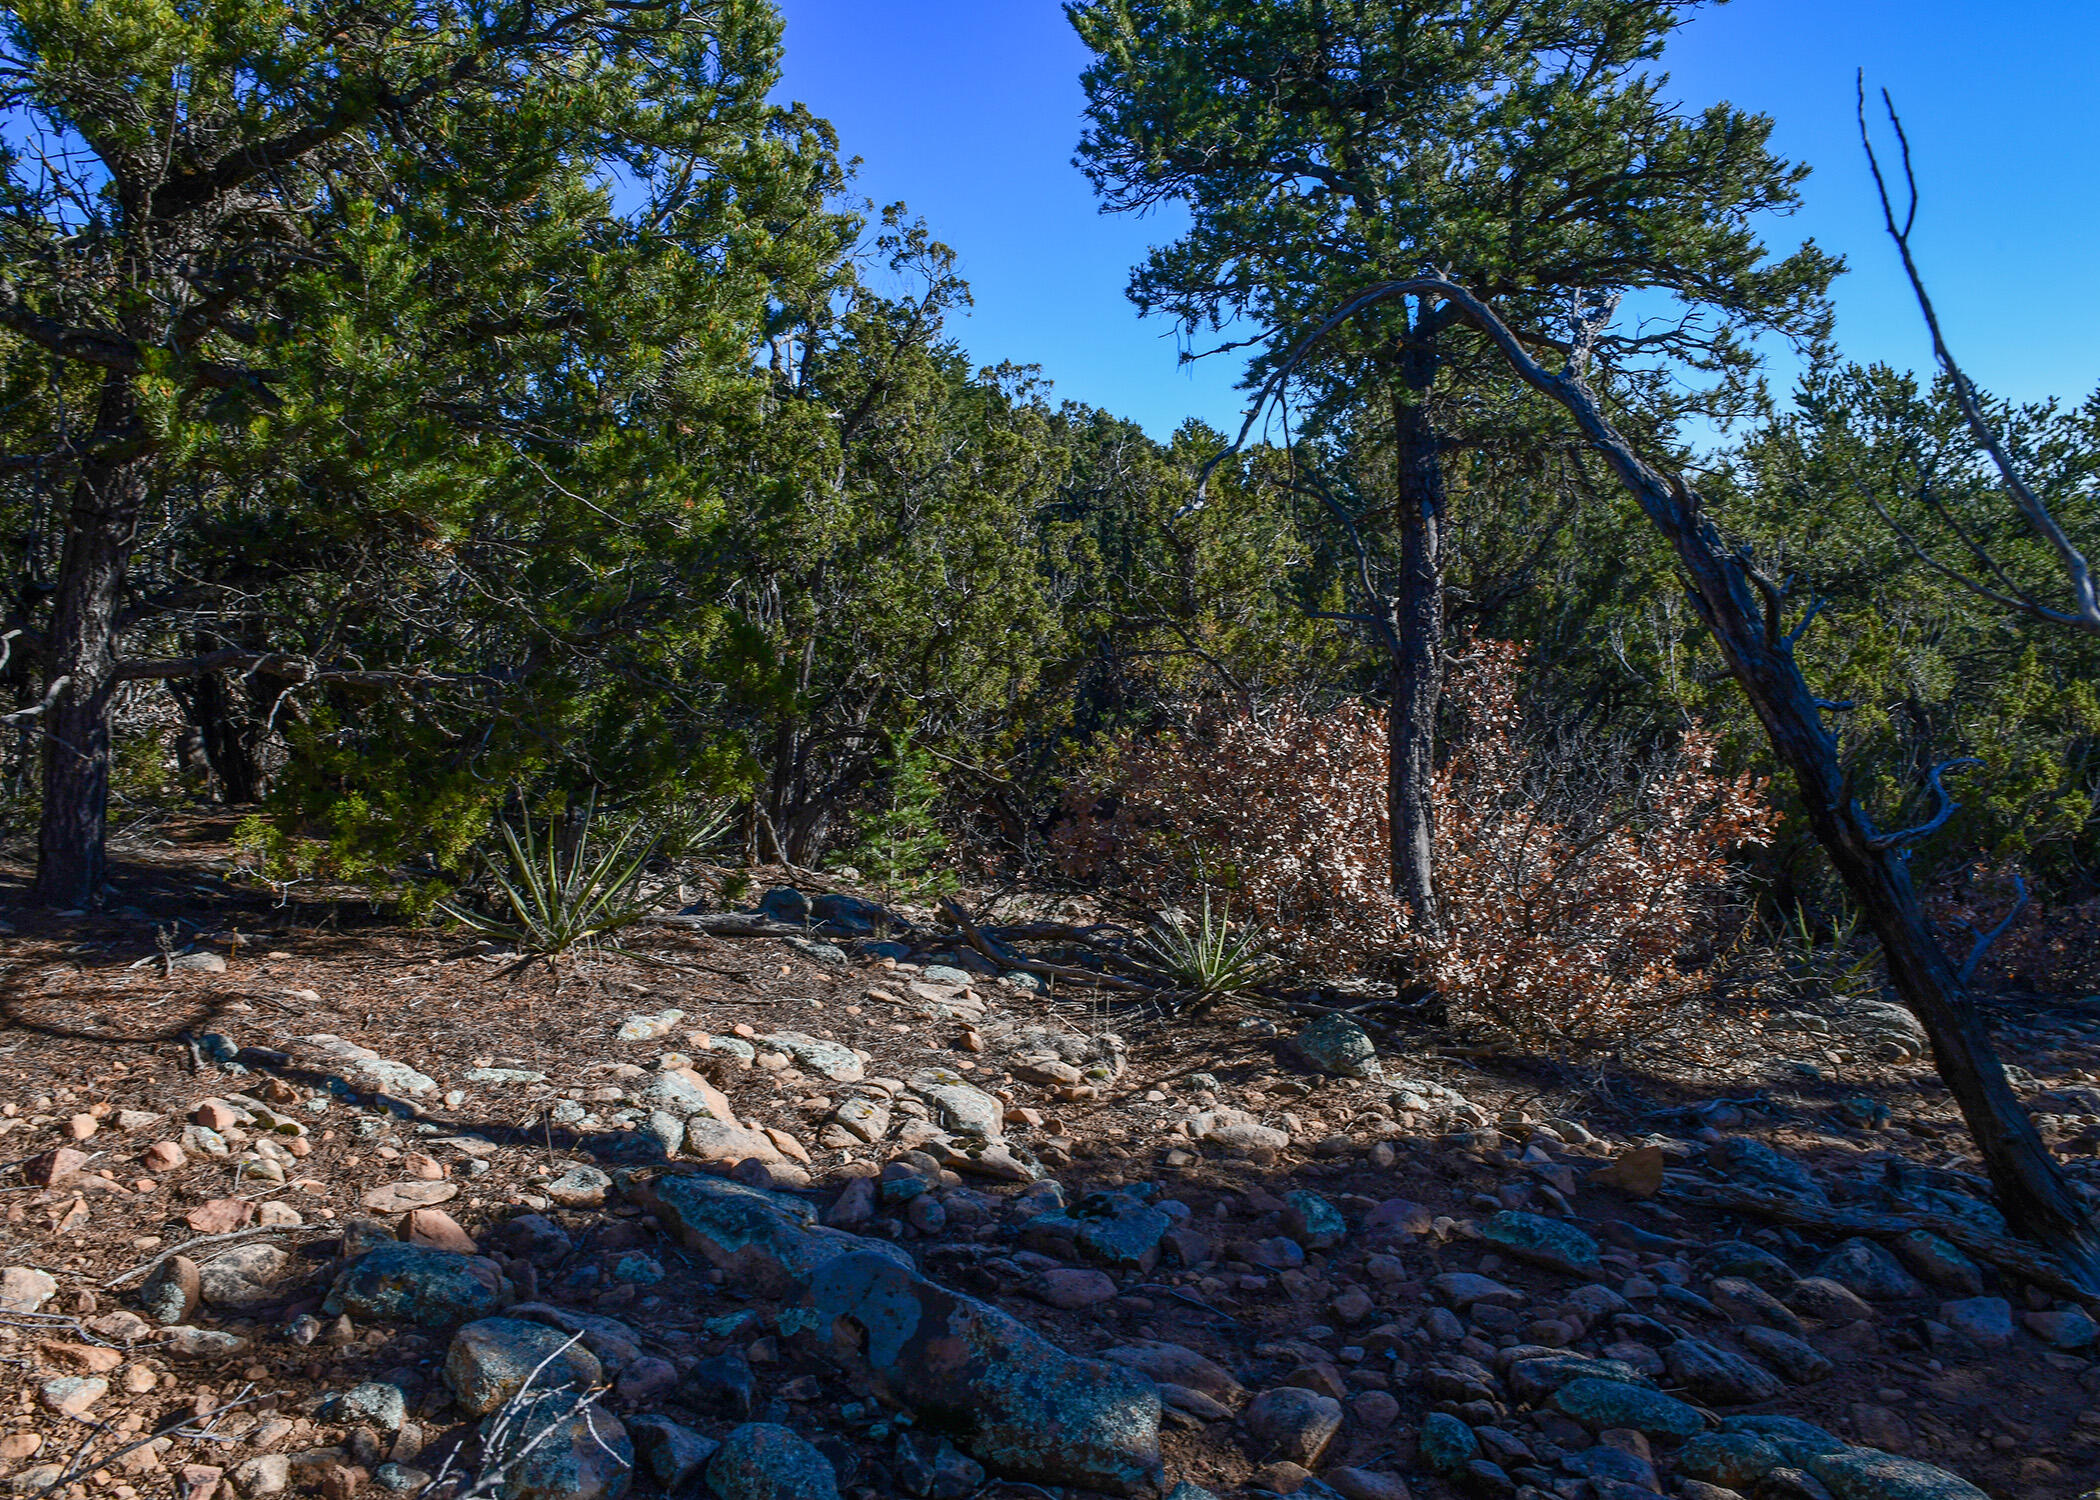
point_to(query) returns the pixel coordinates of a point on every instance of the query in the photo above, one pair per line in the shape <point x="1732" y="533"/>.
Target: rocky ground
<point x="300" y="1206"/>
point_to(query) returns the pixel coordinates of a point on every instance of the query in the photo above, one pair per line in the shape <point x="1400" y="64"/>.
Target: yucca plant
<point x="561" y="902"/>
<point x="1206" y="956"/>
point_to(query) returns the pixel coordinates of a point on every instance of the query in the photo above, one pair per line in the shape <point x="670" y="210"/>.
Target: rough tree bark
<point x="1416" y="637"/>
<point x="108" y="497"/>
<point x="1743" y="610"/>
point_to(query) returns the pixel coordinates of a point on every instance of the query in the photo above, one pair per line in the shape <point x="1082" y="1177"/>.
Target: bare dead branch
<point x="1947" y="808"/>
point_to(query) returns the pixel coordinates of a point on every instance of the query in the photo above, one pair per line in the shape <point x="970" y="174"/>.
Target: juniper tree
<point x="1525" y="147"/>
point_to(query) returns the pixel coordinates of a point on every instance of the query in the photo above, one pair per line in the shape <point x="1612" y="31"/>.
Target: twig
<point x="259" y="1232"/>
<point x="170" y="1430"/>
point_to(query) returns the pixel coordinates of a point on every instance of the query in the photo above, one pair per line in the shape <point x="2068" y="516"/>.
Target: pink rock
<point x="163" y="1156"/>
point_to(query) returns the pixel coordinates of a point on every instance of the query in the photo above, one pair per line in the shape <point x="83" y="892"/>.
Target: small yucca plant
<point x="1206" y="956"/>
<point x="558" y="903"/>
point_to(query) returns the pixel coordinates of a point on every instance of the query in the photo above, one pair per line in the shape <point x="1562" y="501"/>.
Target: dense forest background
<point x="418" y="417"/>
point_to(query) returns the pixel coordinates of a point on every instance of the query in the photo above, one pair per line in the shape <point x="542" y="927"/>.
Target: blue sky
<point x="968" y="110"/>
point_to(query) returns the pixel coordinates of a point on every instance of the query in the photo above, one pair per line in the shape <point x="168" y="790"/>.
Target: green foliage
<point x="557" y="896"/>
<point x="900" y="840"/>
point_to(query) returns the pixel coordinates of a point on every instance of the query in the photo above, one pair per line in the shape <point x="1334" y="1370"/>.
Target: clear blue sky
<point x="969" y="110"/>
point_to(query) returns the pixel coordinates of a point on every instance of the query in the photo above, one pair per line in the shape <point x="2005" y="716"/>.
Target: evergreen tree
<point x="1325" y="147"/>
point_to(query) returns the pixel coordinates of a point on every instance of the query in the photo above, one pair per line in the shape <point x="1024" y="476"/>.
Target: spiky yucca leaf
<point x="558" y="904"/>
<point x="1208" y="956"/>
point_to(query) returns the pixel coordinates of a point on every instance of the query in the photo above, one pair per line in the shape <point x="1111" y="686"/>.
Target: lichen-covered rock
<point x="1312" y="1221"/>
<point x="827" y="1059"/>
<point x="763" y="1461"/>
<point x="962" y="1106"/>
<point x="173" y="1291"/>
<point x="1294" y="1423"/>
<point x="1337" y="1045"/>
<point x="1864" y="1268"/>
<point x="1796" y="1440"/>
<point x="1015" y="1402"/>
<point x="585" y="1454"/>
<point x="1751" y="1263"/>
<point x="1869" y="1474"/>
<point x="1446" y="1444"/>
<point x="1755" y="1165"/>
<point x="1737" y="1460"/>
<point x="1938" y="1264"/>
<point x="768" y="1241"/>
<point x="1718" y="1376"/>
<point x="377" y="1403"/>
<point x="490" y="1361"/>
<point x="402" y="1283"/>
<point x="1604" y="1404"/>
<point x="1544" y="1242"/>
<point x="1534" y="1380"/>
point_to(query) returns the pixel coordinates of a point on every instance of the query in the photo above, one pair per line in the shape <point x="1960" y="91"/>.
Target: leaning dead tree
<point x="2082" y="612"/>
<point x="1746" y="612"/>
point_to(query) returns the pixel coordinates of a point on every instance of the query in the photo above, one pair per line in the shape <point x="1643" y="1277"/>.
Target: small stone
<point x="72" y="1395"/>
<point x="1827" y="1301"/>
<point x="163" y="1156"/>
<point x="1337" y="1045"/>
<point x="1796" y="1359"/>
<point x="401" y="1197"/>
<point x="1863" y="1267"/>
<point x="187" y="1342"/>
<point x="80" y="1127"/>
<point x="1736" y="1460"/>
<point x="581" y="1186"/>
<point x="172" y="1292"/>
<point x="219" y="1216"/>
<point x="671" y="1451"/>
<point x="438" y="1230"/>
<point x="24" y="1289"/>
<point x="375" y="1401"/>
<point x="274" y="1215"/>
<point x="89" y="1359"/>
<point x="54" y="1167"/>
<point x="1366" y="1484"/>
<point x="265" y="1474"/>
<point x="1463" y="1289"/>
<point x="1313" y="1221"/>
<point x="1446" y="1444"/>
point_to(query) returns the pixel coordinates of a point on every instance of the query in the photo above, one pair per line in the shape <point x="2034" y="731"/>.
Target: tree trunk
<point x="108" y="498"/>
<point x="1744" y="616"/>
<point x="224" y="709"/>
<point x="1416" y="625"/>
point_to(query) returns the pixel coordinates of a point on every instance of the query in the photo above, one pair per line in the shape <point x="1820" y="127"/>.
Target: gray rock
<point x="648" y="1028"/>
<point x="1446" y="1445"/>
<point x="1863" y="1267"/>
<point x="670" y="1451"/>
<point x="1293" y="1423"/>
<point x="583" y="1455"/>
<point x="850" y="916"/>
<point x="762" y="1461"/>
<point x="1754" y="1164"/>
<point x="767" y="1240"/>
<point x="403" y="1283"/>
<point x="173" y="1292"/>
<point x="1747" y="1302"/>
<point x="1603" y="1404"/>
<point x="1605" y="1465"/>
<point x="1544" y="1242"/>
<point x="1718" y="1377"/>
<point x="823" y="953"/>
<point x="492" y="1360"/>
<point x="784" y="903"/>
<point x="864" y="1118"/>
<point x="1796" y="1440"/>
<point x="1535" y="1379"/>
<point x="1337" y="1045"/>
<point x="581" y="1186"/>
<point x="1736" y="1258"/>
<point x="827" y="1059"/>
<point x="242" y="1277"/>
<point x="962" y="1106"/>
<point x="400" y="1479"/>
<point x="1868" y="1474"/>
<point x="1461" y="1289"/>
<point x="1015" y="1402"/>
<point x="1986" y="1320"/>
<point x="2069" y="1328"/>
<point x="1938" y="1264"/>
<point x="947" y="974"/>
<point x="1737" y="1460"/>
<point x="1237" y="1131"/>
<point x="378" y="1402"/>
<point x="1796" y="1359"/>
<point x="1827" y="1301"/>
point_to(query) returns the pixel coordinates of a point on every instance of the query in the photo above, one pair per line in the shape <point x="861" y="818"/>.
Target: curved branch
<point x="1948" y="807"/>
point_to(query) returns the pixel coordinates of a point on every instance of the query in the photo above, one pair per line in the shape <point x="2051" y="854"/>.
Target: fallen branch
<point x="976" y="939"/>
<point x="235" y="1237"/>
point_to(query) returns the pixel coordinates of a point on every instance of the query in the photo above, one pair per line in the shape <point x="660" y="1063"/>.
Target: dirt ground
<point x="119" y="1015"/>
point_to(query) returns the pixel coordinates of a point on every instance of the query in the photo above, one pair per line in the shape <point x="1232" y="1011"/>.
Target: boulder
<point x="766" y="1240"/>
<point x="1986" y="1320"/>
<point x="1717" y="1376"/>
<point x="402" y="1283"/>
<point x="1337" y="1045"/>
<point x="764" y="1461"/>
<point x="1796" y="1440"/>
<point x="1605" y="1404"/>
<point x="1544" y="1242"/>
<point x="1012" y="1400"/>
<point x="492" y="1360"/>
<point x="1869" y="1474"/>
<point x="1938" y="1264"/>
<point x="1736" y="1460"/>
<point x="1293" y="1423"/>
<point x="1864" y="1268"/>
<point x="549" y="1449"/>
